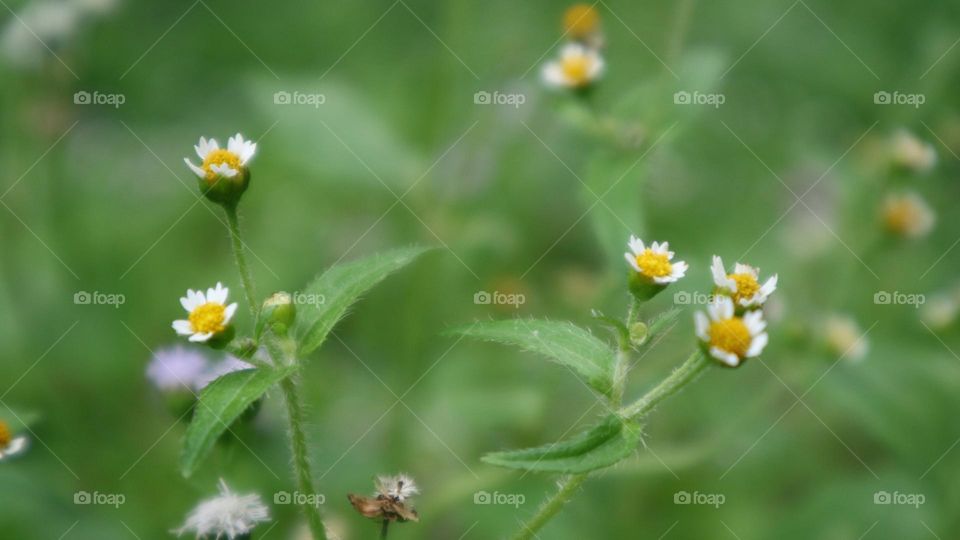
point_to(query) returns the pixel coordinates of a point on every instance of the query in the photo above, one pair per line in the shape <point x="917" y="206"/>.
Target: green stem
<point x="384" y="529"/>
<point x="233" y="224"/>
<point x="553" y="505"/>
<point x="301" y="461"/>
<point x="680" y="377"/>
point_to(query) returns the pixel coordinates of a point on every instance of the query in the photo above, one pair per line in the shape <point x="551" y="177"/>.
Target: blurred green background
<point x="96" y="198"/>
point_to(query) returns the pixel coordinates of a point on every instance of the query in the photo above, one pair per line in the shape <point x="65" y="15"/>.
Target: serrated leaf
<point x="562" y="342"/>
<point x="339" y="287"/>
<point x="603" y="445"/>
<point x="220" y="403"/>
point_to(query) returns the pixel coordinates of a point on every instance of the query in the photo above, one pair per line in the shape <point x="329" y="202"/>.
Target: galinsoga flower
<point x="208" y="315"/>
<point x="577" y="67"/>
<point x="844" y="337"/>
<point x="223" y="172"/>
<point x="911" y="153"/>
<point x="653" y="267"/>
<point x="908" y="215"/>
<point x="581" y="21"/>
<point x="730" y="338"/>
<point x="10" y="445"/>
<point x="742" y="285"/>
<point x="227" y="515"/>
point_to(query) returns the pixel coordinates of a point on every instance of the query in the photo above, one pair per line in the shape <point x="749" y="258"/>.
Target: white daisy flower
<point x="654" y="262"/>
<point x="728" y="337"/>
<point x="577" y="67"/>
<point x="844" y="337"/>
<point x="208" y="314"/>
<point x="939" y="311"/>
<point x="227" y="515"/>
<point x="742" y="285"/>
<point x="400" y="487"/>
<point x="10" y="445"/>
<point x="216" y="162"/>
<point x="908" y="215"/>
<point x="909" y="152"/>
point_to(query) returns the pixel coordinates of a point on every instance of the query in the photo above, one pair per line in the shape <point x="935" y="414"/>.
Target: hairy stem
<point x="564" y="493"/>
<point x="680" y="377"/>
<point x="301" y="461"/>
<point x="233" y="224"/>
<point x="384" y="529"/>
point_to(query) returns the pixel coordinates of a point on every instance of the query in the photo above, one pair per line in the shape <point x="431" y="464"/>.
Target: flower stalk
<point x="682" y="376"/>
<point x="552" y="506"/>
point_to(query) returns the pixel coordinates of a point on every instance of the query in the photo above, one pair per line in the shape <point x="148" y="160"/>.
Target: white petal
<point x="218" y="294"/>
<point x="572" y="50"/>
<point x="754" y="322"/>
<point x="702" y="325"/>
<point x="757" y="345"/>
<point x="553" y="75"/>
<point x="725" y="307"/>
<point x="679" y="270"/>
<point x="196" y="170"/>
<point x="183" y="327"/>
<point x="200" y="338"/>
<point x="228" y="313"/>
<point x="718" y="271"/>
<point x="727" y="358"/>
<point x="768" y="287"/>
<point x="632" y="260"/>
<point x="247" y="152"/>
<point x="596" y="67"/>
<point x="189" y="302"/>
<point x="636" y="245"/>
<point x="745" y="269"/>
<point x="224" y="170"/>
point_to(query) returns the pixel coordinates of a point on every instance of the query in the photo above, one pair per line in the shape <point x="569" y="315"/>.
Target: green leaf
<point x="220" y="403"/>
<point x="603" y="445"/>
<point x="562" y="342"/>
<point x="339" y="287"/>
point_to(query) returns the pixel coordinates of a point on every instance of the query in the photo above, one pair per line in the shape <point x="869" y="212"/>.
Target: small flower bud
<point x="279" y="311"/>
<point x="638" y="333"/>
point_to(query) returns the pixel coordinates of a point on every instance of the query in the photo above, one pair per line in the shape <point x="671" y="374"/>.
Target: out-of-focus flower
<point x="843" y="337"/>
<point x="728" y="337"/>
<point x="581" y="21"/>
<point x="940" y="311"/>
<point x="228" y="515"/>
<point x="578" y="67"/>
<point x="742" y="285"/>
<point x="208" y="315"/>
<point x="39" y="26"/>
<point x="219" y="369"/>
<point x="9" y="444"/>
<point x="177" y="368"/>
<point x="223" y="172"/>
<point x="909" y="152"/>
<point x="908" y="215"/>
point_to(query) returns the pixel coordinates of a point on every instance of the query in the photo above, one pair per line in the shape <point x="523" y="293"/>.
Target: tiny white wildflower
<point x="908" y="215"/>
<point x="940" y="311"/>
<point x="227" y="515"/>
<point x="844" y="337"/>
<point x="208" y="314"/>
<point x="728" y="337"/>
<point x="10" y="445"/>
<point x="909" y="152"/>
<point x="654" y="262"/>
<point x="577" y="67"/>
<point x="742" y="285"/>
<point x="400" y="487"/>
<point x="217" y="162"/>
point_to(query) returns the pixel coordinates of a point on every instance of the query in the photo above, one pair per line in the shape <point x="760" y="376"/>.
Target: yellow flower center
<point x="580" y="20"/>
<point x="208" y="318"/>
<point x="220" y="157"/>
<point x="654" y="264"/>
<point x="576" y="69"/>
<point x="902" y="216"/>
<point x="730" y="335"/>
<point x="747" y="286"/>
<point x="5" y="435"/>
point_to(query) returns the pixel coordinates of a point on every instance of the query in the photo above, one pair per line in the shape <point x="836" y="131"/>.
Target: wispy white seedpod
<point x="228" y="515"/>
<point x="400" y="487"/>
<point x="909" y="152"/>
<point x="843" y="337"/>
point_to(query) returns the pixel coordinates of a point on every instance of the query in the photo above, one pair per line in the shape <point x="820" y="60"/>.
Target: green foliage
<point x="562" y="342"/>
<point x="220" y="403"/>
<point x="341" y="286"/>
<point x="603" y="445"/>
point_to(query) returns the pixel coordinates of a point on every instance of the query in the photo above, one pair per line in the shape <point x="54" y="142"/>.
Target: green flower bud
<point x="638" y="333"/>
<point x="279" y="312"/>
<point x="225" y="190"/>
